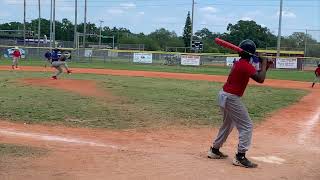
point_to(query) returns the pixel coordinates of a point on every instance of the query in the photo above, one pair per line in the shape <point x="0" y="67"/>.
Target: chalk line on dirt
<point x="270" y="159"/>
<point x="308" y="126"/>
<point x="46" y="137"/>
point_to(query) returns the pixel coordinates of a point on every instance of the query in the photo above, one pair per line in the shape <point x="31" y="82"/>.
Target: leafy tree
<point x="11" y="26"/>
<point x="250" y="30"/>
<point x="45" y="27"/>
<point x="165" y="38"/>
<point x="162" y="38"/>
<point x="204" y="33"/>
<point x="207" y="37"/>
<point x="67" y="30"/>
<point x="298" y="40"/>
<point x="187" y="31"/>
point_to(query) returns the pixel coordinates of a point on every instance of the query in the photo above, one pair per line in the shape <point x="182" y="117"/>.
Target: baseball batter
<point x="235" y="114"/>
<point x="58" y="62"/>
<point x="317" y="78"/>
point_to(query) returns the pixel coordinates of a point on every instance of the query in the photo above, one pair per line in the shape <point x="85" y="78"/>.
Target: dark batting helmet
<point x="248" y="46"/>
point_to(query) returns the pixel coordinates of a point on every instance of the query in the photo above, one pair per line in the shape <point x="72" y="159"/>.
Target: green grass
<point x="307" y="76"/>
<point x="142" y="102"/>
<point x="20" y="151"/>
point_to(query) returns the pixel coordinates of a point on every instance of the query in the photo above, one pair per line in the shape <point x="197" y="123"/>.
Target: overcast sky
<point x="148" y="15"/>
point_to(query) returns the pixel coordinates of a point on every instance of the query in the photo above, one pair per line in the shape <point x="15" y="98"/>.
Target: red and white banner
<point x="287" y="63"/>
<point x="190" y="60"/>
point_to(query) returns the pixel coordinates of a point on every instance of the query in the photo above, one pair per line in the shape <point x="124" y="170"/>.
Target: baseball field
<point x="125" y="121"/>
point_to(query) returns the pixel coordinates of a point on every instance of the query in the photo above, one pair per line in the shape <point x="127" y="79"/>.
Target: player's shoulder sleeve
<point x="250" y="69"/>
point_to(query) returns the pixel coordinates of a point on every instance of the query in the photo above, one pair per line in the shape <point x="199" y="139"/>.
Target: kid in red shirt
<point x="15" y="57"/>
<point x="239" y="77"/>
<point x="317" y="73"/>
<point x="234" y="112"/>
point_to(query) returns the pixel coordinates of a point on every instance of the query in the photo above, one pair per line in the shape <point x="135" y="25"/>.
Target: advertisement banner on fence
<point x="142" y="57"/>
<point x="88" y="53"/>
<point x="230" y="60"/>
<point x="287" y="63"/>
<point x="8" y="53"/>
<point x="190" y="60"/>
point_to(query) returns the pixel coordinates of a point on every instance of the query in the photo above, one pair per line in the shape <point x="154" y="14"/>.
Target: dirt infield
<point x="286" y="145"/>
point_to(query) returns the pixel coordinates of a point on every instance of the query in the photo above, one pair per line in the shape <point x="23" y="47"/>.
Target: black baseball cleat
<point x="243" y="162"/>
<point x="216" y="154"/>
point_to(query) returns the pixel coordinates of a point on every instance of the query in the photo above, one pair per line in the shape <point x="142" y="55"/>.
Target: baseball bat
<point x="231" y="46"/>
<point x="235" y="48"/>
<point x="228" y="45"/>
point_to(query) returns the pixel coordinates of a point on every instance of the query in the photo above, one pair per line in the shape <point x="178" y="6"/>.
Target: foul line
<point x="308" y="126"/>
<point x="270" y="159"/>
<point x="47" y="137"/>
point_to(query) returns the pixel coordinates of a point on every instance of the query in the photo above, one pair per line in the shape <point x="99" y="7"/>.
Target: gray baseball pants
<point x="15" y="61"/>
<point x="236" y="115"/>
<point x="316" y="79"/>
<point x="58" y="65"/>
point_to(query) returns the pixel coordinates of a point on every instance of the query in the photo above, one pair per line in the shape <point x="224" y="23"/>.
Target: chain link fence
<point x="158" y="58"/>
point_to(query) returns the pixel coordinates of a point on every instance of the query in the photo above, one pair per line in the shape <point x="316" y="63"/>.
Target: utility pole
<point x="279" y="30"/>
<point x="39" y="23"/>
<point x="75" y="22"/>
<point x="113" y="42"/>
<point x="76" y="39"/>
<point x="305" y="43"/>
<point x="191" y="36"/>
<point x="85" y="24"/>
<point x="54" y="24"/>
<point x="24" y="22"/>
<point x="100" y="32"/>
<point x="51" y="25"/>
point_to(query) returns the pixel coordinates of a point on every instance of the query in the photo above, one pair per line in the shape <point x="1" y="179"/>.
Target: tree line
<point x="162" y="38"/>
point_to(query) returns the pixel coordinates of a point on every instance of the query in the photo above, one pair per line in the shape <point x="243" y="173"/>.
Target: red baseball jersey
<point x="239" y="77"/>
<point x="16" y="53"/>
<point x="317" y="71"/>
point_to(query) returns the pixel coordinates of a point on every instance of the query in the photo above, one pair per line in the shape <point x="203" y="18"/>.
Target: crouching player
<point x="47" y="55"/>
<point x="58" y="61"/>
